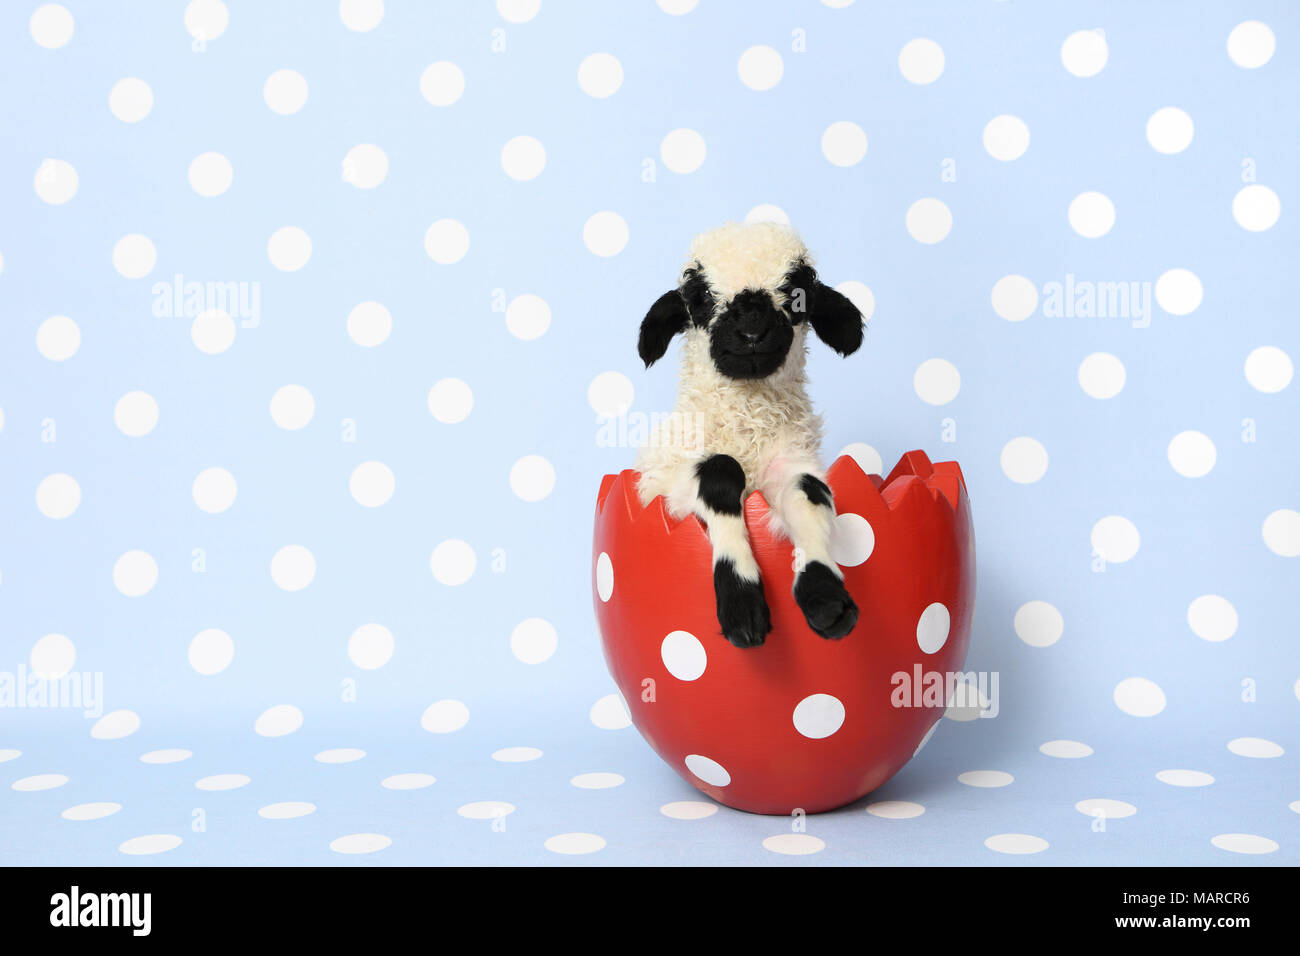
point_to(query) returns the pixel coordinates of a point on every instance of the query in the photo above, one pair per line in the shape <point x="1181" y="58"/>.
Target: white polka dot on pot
<point x="818" y="716"/>
<point x="683" y="655"/>
<point x="852" y="540"/>
<point x="708" y="770"/>
<point x="604" y="576"/>
<point x="932" y="628"/>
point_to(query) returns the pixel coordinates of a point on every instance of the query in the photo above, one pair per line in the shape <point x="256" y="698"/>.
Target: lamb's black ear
<point x="665" y="319"/>
<point x="836" y="320"/>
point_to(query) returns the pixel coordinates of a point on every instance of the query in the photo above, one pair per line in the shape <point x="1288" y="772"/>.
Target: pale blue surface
<point x="1198" y="536"/>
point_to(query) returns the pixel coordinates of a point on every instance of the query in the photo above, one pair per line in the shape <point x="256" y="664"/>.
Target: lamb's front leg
<point x="802" y="500"/>
<point x="719" y="501"/>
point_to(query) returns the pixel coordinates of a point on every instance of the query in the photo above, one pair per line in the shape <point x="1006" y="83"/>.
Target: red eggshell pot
<point x="800" y="723"/>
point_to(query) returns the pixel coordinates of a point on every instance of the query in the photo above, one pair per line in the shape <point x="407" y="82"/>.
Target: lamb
<point x="743" y="420"/>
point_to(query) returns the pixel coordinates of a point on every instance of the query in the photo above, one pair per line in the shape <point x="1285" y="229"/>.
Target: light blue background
<point x="1198" y="536"/>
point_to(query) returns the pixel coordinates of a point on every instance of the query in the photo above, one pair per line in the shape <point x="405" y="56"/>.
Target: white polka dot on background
<point x="1084" y="52"/>
<point x="1192" y="454"/>
<point x="517" y="755"/>
<point x="58" y="338"/>
<point x="852" y="540"/>
<point x="534" y="640"/>
<point x="1006" y="137"/>
<point x="115" y="725"/>
<point x="921" y="61"/>
<point x="929" y="221"/>
<point x="1185" y="778"/>
<point x="369" y="324"/>
<point x="1248" y="843"/>
<point x="173" y="755"/>
<point x="985" y="778"/>
<point x="134" y="256"/>
<point x="1016" y="844"/>
<point x="214" y="490"/>
<point x="532" y="478"/>
<point x="357" y="843"/>
<point x="135" y="414"/>
<point x="219" y="782"/>
<point x="868" y="460"/>
<point x="1105" y="808"/>
<point x="372" y="483"/>
<point x="340" y="755"/>
<point x="288" y="810"/>
<point x="600" y="75"/>
<point x="767" y="212"/>
<point x="293" y="567"/>
<point x="289" y="248"/>
<point x="453" y="562"/>
<point x="794" y="844"/>
<point x="518" y="11"/>
<point x="573" y="844"/>
<point x="442" y="83"/>
<point x="683" y="655"/>
<point x="1024" y="460"/>
<point x="444" y="717"/>
<point x="292" y="407"/>
<point x="1170" y="130"/>
<point x="285" y="92"/>
<point x="1115" y="539"/>
<point x="1255" y="747"/>
<point x="91" y="811"/>
<point x="605" y="234"/>
<point x="844" y="143"/>
<point x="40" y="781"/>
<point x="212" y="331"/>
<point x="683" y="151"/>
<point x="278" y="721"/>
<point x="895" y="809"/>
<point x="211" y="652"/>
<point x="135" y="573"/>
<point x="1251" y="44"/>
<point x="528" y="316"/>
<point x="1139" y="697"/>
<point x="860" y="295"/>
<point x="365" y="166"/>
<point x="1269" y="369"/>
<point x="1102" y="375"/>
<point x="450" y="401"/>
<point x="760" y="68"/>
<point x="1281" y="533"/>
<point x="610" y="713"/>
<point x="149" y="844"/>
<point x="610" y="394"/>
<point x="51" y="25"/>
<point x="1014" y="298"/>
<point x="1065" y="749"/>
<point x="56" y="181"/>
<point x="1179" y="292"/>
<point x="210" y="174"/>
<point x="52" y="656"/>
<point x="361" y="16"/>
<point x="1038" y="624"/>
<point x="708" y="770"/>
<point x="1091" y="214"/>
<point x="688" y="810"/>
<point x="58" y="496"/>
<point x="370" y="646"/>
<point x="486" y="810"/>
<point x="936" y="381"/>
<point x="1256" y="208"/>
<point x="819" y="715"/>
<point x="206" y="19"/>
<point x="523" y="158"/>
<point x="598" y="781"/>
<point x="408" y="781"/>
<point x="130" y="100"/>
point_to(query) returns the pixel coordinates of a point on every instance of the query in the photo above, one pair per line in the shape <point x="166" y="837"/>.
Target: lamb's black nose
<point x="750" y="337"/>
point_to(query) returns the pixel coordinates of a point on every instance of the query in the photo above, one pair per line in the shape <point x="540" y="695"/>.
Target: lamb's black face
<point x="750" y="337"/>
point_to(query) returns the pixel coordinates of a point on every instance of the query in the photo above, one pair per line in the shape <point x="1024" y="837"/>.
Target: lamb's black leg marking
<point x="825" y="602"/>
<point x="742" y="610"/>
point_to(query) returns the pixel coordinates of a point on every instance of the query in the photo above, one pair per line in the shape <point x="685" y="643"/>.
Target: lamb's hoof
<point x="742" y="609"/>
<point x="825" y="603"/>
